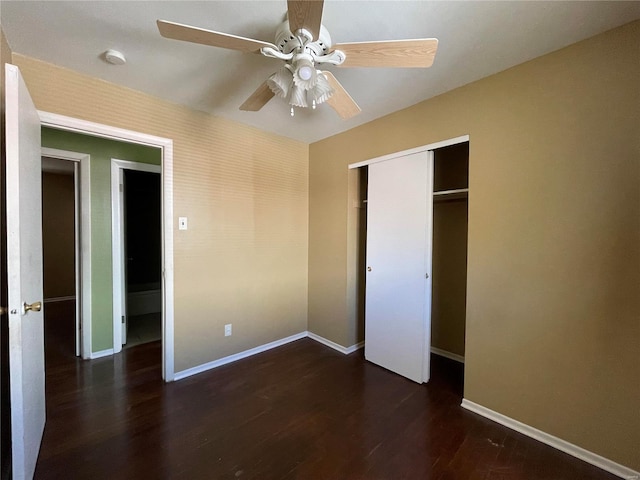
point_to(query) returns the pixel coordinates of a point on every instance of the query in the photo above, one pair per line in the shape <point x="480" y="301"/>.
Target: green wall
<point x="101" y="151"/>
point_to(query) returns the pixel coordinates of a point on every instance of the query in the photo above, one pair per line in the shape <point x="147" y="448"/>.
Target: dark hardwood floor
<point x="301" y="411"/>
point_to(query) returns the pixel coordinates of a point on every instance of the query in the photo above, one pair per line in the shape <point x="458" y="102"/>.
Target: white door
<point x="24" y="271"/>
<point x="397" y="325"/>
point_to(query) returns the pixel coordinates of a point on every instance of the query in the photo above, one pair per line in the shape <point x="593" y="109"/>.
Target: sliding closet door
<point x="397" y="327"/>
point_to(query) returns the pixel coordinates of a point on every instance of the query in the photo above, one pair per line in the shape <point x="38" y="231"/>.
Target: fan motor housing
<point x="287" y="42"/>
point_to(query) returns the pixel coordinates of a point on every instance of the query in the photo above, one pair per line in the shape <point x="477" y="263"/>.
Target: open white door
<point x="24" y="271"/>
<point x="397" y="325"/>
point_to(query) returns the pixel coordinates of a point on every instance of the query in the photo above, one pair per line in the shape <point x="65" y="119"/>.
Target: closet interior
<point x="449" y="257"/>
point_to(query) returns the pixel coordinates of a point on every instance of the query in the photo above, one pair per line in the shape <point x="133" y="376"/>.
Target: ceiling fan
<point x="304" y="44"/>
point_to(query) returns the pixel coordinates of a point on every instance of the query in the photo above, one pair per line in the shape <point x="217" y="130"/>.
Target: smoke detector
<point x="114" y="57"/>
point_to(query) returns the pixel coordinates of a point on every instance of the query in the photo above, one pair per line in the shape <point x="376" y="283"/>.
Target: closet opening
<point x="410" y="232"/>
<point x="449" y="254"/>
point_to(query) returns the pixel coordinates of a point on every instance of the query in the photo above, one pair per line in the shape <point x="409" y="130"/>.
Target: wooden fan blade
<point x="305" y="14"/>
<point x="418" y="53"/>
<point x="188" y="33"/>
<point x="258" y="99"/>
<point x="341" y="101"/>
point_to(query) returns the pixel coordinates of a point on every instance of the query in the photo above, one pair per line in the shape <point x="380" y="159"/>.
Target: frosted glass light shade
<point x="280" y="82"/>
<point x="298" y="97"/>
<point x="322" y="91"/>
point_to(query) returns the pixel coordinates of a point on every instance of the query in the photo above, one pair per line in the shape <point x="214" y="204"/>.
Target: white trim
<point x="54" y="120"/>
<point x="68" y="298"/>
<point x="404" y="153"/>
<point x="83" y="302"/>
<point x="118" y="309"/>
<point x="237" y="356"/>
<point x="166" y="204"/>
<point x="64" y="154"/>
<point x="77" y="257"/>
<point x="334" y="345"/>
<point x="446" y="354"/>
<point x="428" y="266"/>
<point x="166" y="145"/>
<point x="101" y="353"/>
<point x="263" y="348"/>
<point x="555" y="442"/>
<point x="139" y="166"/>
<point x="117" y="243"/>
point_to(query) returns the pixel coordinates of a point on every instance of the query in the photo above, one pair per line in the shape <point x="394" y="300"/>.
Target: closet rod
<point x="452" y="192"/>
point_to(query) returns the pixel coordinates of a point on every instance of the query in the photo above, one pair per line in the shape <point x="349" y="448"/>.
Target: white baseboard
<point x="335" y="346"/>
<point x="101" y="353"/>
<point x="555" y="442"/>
<point x="237" y="356"/>
<point x="449" y="355"/>
<point x="60" y="299"/>
<point x="263" y="348"/>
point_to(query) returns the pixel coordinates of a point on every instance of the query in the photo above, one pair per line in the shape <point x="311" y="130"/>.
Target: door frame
<point x="82" y="189"/>
<point x="165" y="145"/>
<point x="117" y="241"/>
<point x="426" y="373"/>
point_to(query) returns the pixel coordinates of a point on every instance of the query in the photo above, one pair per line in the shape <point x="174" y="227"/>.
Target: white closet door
<point x="397" y="326"/>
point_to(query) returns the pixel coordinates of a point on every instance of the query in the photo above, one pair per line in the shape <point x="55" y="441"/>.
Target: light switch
<point x="182" y="223"/>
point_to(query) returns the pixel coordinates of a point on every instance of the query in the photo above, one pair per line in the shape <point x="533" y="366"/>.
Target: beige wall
<point x="245" y="192"/>
<point x="553" y="289"/>
<point x="58" y="235"/>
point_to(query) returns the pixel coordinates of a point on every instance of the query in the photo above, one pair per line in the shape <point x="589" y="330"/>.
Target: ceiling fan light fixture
<point x="280" y="82"/>
<point x="303" y="43"/>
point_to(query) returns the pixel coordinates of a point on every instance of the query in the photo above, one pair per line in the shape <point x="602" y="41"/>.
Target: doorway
<point x="61" y="258"/>
<point x="109" y="344"/>
<point x="66" y="229"/>
<point x="137" y="252"/>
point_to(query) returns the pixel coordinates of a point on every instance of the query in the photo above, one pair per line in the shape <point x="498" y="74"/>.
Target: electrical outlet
<point x="227" y="330"/>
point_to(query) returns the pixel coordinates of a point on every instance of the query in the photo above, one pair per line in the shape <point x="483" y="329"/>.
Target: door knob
<point x="35" y="306"/>
<point x="368" y="269"/>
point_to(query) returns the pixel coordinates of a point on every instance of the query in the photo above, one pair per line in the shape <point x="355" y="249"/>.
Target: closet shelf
<point x="456" y="194"/>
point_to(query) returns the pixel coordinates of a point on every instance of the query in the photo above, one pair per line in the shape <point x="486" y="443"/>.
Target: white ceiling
<point x="476" y="38"/>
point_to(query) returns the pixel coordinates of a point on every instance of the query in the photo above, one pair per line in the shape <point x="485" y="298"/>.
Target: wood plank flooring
<point x="301" y="411"/>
